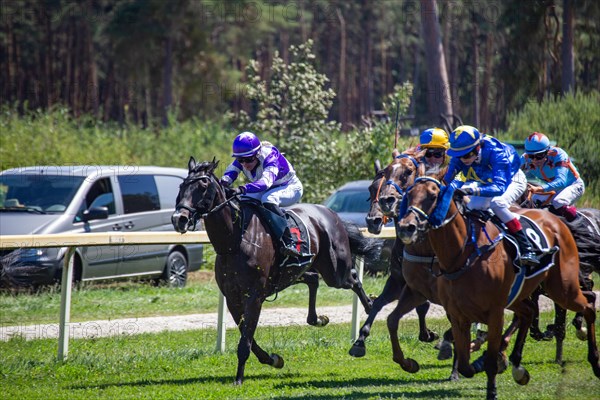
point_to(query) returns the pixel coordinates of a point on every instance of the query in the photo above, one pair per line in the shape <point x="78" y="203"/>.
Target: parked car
<point x="81" y="199"/>
<point x="351" y="203"/>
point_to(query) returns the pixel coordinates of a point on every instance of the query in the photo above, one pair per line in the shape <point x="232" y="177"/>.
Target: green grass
<point x="183" y="365"/>
<point x="141" y="299"/>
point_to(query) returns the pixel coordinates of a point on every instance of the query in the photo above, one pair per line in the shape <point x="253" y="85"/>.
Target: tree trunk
<point x="92" y="81"/>
<point x="475" y="74"/>
<point x="342" y="90"/>
<point x="568" y="63"/>
<point x="167" y="80"/>
<point x="487" y="79"/>
<point x="440" y="100"/>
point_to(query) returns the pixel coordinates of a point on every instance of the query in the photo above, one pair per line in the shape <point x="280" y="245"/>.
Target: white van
<point x="92" y="198"/>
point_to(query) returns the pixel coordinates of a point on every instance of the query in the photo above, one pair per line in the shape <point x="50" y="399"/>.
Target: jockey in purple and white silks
<point x="272" y="179"/>
<point x="493" y="179"/>
<point x="552" y="165"/>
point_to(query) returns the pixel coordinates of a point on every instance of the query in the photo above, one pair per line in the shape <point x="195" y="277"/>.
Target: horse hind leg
<point x="425" y="335"/>
<point x="311" y="279"/>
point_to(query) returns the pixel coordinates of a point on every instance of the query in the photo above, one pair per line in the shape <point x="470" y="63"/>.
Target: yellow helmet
<point x="434" y="138"/>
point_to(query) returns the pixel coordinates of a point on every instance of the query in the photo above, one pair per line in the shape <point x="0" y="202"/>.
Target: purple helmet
<point x="245" y="144"/>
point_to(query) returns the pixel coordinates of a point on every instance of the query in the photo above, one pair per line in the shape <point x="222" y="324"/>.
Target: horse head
<point x="397" y="177"/>
<point x="422" y="209"/>
<point x="197" y="194"/>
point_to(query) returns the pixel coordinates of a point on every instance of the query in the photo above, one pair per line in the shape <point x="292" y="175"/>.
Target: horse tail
<point x="368" y="248"/>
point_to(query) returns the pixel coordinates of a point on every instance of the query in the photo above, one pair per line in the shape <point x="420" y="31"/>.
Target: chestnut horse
<point x="247" y="266"/>
<point x="478" y="291"/>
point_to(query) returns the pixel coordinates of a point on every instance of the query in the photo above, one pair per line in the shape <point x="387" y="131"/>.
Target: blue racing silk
<point x="493" y="169"/>
<point x="272" y="170"/>
<point x="557" y="171"/>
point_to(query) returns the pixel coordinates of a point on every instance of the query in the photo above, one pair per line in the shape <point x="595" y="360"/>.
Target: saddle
<point x="536" y="236"/>
<point x="277" y="226"/>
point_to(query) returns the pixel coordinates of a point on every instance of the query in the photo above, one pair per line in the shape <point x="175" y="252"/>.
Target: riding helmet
<point x="462" y="140"/>
<point x="536" y="143"/>
<point x="245" y="144"/>
<point x="434" y="138"/>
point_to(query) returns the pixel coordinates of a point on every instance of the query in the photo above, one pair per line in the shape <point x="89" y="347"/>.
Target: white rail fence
<point x="72" y="241"/>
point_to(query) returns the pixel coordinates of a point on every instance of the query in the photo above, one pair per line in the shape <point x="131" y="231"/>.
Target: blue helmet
<point x="245" y="144"/>
<point x="462" y="140"/>
<point x="536" y="143"/>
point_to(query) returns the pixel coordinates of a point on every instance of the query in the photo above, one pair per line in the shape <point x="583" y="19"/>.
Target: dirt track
<point x="269" y="317"/>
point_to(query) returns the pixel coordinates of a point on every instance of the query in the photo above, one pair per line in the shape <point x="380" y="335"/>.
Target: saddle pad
<point x="301" y="238"/>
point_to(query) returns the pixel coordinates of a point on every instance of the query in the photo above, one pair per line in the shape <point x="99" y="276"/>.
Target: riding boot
<point x="288" y="248"/>
<point x="528" y="254"/>
<point x="568" y="212"/>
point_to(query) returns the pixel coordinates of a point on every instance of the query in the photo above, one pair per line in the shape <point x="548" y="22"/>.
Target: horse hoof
<point x="428" y="336"/>
<point x="277" y="361"/>
<point x="410" y="366"/>
<point x="454" y="376"/>
<point x="478" y="364"/>
<point x="445" y="352"/>
<point x="358" y="350"/>
<point x="502" y="363"/>
<point x="322" y="320"/>
<point x="520" y="375"/>
<point x="581" y="333"/>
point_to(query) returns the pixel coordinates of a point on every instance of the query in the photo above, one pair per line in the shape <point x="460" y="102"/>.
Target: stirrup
<point x="529" y="259"/>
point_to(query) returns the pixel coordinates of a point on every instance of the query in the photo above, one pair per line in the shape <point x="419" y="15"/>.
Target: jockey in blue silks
<point x="272" y="178"/>
<point x="493" y="180"/>
<point x="552" y="165"/>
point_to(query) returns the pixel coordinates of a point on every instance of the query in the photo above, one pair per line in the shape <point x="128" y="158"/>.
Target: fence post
<point x="221" y="324"/>
<point x="65" y="304"/>
<point x="360" y="266"/>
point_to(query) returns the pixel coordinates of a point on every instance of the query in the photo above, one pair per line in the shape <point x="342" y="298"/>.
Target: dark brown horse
<point x="586" y="232"/>
<point x="478" y="291"/>
<point x="409" y="282"/>
<point x="247" y="264"/>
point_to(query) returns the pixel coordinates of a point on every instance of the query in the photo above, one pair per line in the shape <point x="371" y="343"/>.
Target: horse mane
<point x="208" y="166"/>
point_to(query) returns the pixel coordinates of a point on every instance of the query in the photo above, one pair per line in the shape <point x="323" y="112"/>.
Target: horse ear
<point x="215" y="163"/>
<point x="191" y="163"/>
<point x="377" y="166"/>
<point x="395" y="153"/>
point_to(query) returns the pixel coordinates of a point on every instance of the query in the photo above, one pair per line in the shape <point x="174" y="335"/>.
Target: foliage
<point x="184" y="365"/>
<point x="573" y="122"/>
<point x="292" y="109"/>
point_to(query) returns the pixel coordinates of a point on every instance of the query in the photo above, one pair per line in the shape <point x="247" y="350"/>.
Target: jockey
<point x="435" y="143"/>
<point x="272" y="178"/>
<point x="553" y="165"/>
<point x="493" y="179"/>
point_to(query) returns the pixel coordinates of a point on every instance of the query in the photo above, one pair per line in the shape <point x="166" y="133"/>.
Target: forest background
<point x="152" y="82"/>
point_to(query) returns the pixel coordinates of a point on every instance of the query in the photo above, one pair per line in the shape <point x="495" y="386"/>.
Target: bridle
<point x="422" y="215"/>
<point x="195" y="214"/>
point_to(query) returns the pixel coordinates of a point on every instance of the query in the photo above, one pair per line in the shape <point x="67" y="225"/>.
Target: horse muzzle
<point x="181" y="220"/>
<point x="407" y="232"/>
<point x="389" y="205"/>
<point x="374" y="224"/>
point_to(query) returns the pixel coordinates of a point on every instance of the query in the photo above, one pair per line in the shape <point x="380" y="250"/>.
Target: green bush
<point x="573" y="122"/>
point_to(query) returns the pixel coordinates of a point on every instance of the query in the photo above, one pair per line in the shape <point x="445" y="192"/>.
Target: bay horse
<point x="478" y="291"/>
<point x="389" y="183"/>
<point x="247" y="267"/>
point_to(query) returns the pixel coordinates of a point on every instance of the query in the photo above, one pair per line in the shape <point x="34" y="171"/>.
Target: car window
<point x="139" y="193"/>
<point x="99" y="195"/>
<point x="168" y="187"/>
<point x="354" y="201"/>
<point x="47" y="193"/>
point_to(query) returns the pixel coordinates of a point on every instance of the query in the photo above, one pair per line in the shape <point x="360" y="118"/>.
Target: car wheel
<point x="175" y="273"/>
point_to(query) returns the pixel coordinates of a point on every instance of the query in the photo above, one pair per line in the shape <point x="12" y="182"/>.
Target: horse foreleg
<point x="535" y="331"/>
<point x="408" y="300"/>
<point x="461" y="332"/>
<point x="524" y="312"/>
<point x="425" y="335"/>
<point x="495" y="322"/>
<point x="247" y="326"/>
<point x="391" y="291"/>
